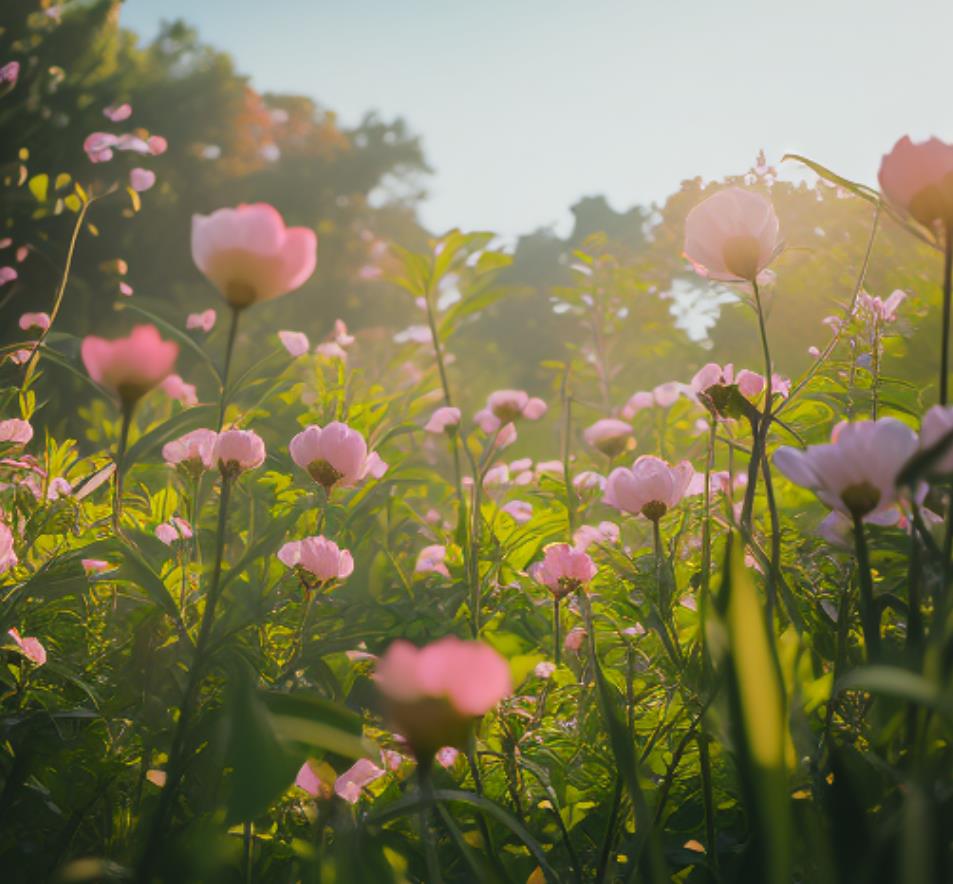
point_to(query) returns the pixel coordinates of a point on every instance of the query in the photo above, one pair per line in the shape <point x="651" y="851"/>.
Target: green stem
<point x="177" y="759"/>
<point x="557" y="638"/>
<point x="869" y="616"/>
<point x="774" y="571"/>
<point x="947" y="294"/>
<point x="229" y="347"/>
<point x="711" y="851"/>
<point x="426" y="835"/>
<point x="127" y="409"/>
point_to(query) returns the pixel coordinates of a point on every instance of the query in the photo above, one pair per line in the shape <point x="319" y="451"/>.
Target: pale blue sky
<point x="526" y="105"/>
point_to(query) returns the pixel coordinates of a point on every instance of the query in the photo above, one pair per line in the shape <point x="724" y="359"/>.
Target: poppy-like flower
<point x="352" y="782"/>
<point x="238" y="450"/>
<point x="610" y="436"/>
<point x="15" y="431"/>
<point x="505" y="406"/>
<point x="432" y="560"/>
<point x="39" y="321"/>
<point x="444" y="419"/>
<point x="117" y="113"/>
<point x="650" y="488"/>
<point x="192" y="452"/>
<point x="249" y="255"/>
<point x="296" y="343"/>
<point x="937" y="423"/>
<point x="729" y="394"/>
<point x="519" y="510"/>
<point x="131" y="366"/>
<point x="8" y="558"/>
<point x="856" y="472"/>
<point x="335" y="455"/>
<point x="176" y="388"/>
<point x="434" y="693"/>
<point x="204" y="320"/>
<point x="917" y="177"/>
<point x="173" y="531"/>
<point x="564" y="569"/>
<point x="31" y="648"/>
<point x="732" y="235"/>
<point x="586" y="535"/>
<point x="317" y="559"/>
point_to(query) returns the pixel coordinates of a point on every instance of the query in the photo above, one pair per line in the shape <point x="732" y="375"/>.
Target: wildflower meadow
<point x="318" y="565"/>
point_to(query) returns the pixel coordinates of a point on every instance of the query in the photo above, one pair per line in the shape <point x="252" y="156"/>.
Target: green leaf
<point x="892" y="681"/>
<point x="316" y="723"/>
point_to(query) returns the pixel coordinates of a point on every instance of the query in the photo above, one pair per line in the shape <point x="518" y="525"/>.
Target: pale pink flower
<point x="589" y="479"/>
<point x="505" y="406"/>
<point x="10" y="73"/>
<point x="238" y="450"/>
<point x="296" y="343"/>
<point x="434" y="692"/>
<point x="308" y="780"/>
<point x="937" y="423"/>
<point x="117" y="113"/>
<point x="732" y="235"/>
<point x="917" y="177"/>
<point x="610" y="436"/>
<point x="129" y="366"/>
<point x="878" y="309"/>
<point x="564" y="569"/>
<point x="141" y="180"/>
<point x="173" y="531"/>
<point x="205" y="321"/>
<point x="856" y="472"/>
<point x="15" y="431"/>
<point x="444" y="419"/>
<point x="574" y="639"/>
<point x="447" y="756"/>
<point x="432" y="560"/>
<point x="335" y="455"/>
<point x="192" y="452"/>
<point x="505" y="437"/>
<point x="352" y="782"/>
<point x="317" y="557"/>
<point x="176" y="388"/>
<point x="133" y="143"/>
<point x="554" y="468"/>
<point x="728" y="394"/>
<point x="40" y="321"/>
<point x="331" y="350"/>
<point x="125" y="289"/>
<point x="650" y="488"/>
<point x="93" y="567"/>
<point x="664" y="396"/>
<point x="99" y="146"/>
<point x="249" y="255"/>
<point x="544" y="670"/>
<point x="519" y="510"/>
<point x="8" y="558"/>
<point x="496" y="475"/>
<point x="59" y="487"/>
<point x="7" y="274"/>
<point x="30" y="647"/>
<point x="157" y="145"/>
<point x="587" y="535"/>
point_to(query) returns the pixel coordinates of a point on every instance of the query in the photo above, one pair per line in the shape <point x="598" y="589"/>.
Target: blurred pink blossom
<point x="39" y="321"/>
<point x="129" y="366"/>
<point x="296" y="343"/>
<point x="205" y="321"/>
<point x="30" y="647"/>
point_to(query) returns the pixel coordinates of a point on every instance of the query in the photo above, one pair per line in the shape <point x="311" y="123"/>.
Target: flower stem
<point x="774" y="572"/>
<point x="557" y="639"/>
<point x="229" y="347"/>
<point x="869" y="616"/>
<point x="127" y="409"/>
<point x="426" y="835"/>
<point x="947" y="294"/>
<point x="177" y="760"/>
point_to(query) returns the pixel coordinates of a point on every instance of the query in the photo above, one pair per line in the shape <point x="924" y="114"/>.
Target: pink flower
<point x="664" y="396"/>
<point x="8" y="558"/>
<point x="15" y="431"/>
<point x="157" y="145"/>
<point x="350" y="784"/>
<point x="30" y="647"/>
<point x="296" y="343"/>
<point x="317" y="557"/>
<point x="99" y="146"/>
<point x="309" y="780"/>
<point x="141" y="180"/>
<point x="249" y="255"/>
<point x="732" y="235"/>
<point x="918" y="178"/>
<point x="520" y="511"/>
<point x="564" y="569"/>
<point x="588" y="479"/>
<point x="587" y="535"/>
<point x="130" y="366"/>
<point x="878" y="309"/>
<point x="117" y="113"/>
<point x="730" y="395"/>
<point x="544" y="670"/>
<point x="433" y="693"/>
<point x="444" y="419"/>
<point x="125" y="289"/>
<point x="7" y="274"/>
<point x="574" y="639"/>
<point x="505" y="437"/>
<point x="193" y="452"/>
<point x="174" y="530"/>
<point x="93" y="567"/>
<point x="651" y="487"/>
<point x="10" y="73"/>
<point x="238" y="450"/>
<point x="175" y="388"/>
<point x="505" y="406"/>
<point x="335" y="455"/>
<point x="59" y="487"/>
<point x="39" y="321"/>
<point x="204" y="320"/>
<point x="856" y="472"/>
<point x="937" y="423"/>
<point x="610" y="436"/>
<point x="431" y="559"/>
<point x="447" y="756"/>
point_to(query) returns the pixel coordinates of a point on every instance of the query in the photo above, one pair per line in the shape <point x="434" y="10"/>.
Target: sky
<point x="524" y="106"/>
